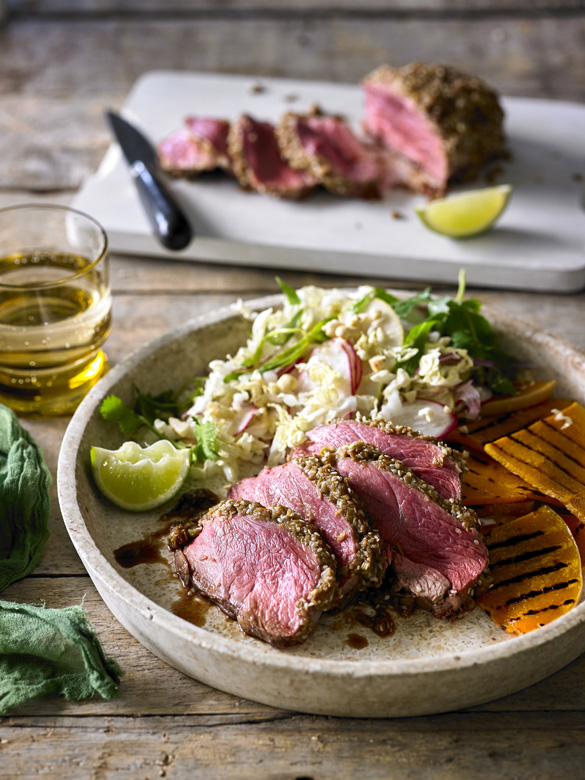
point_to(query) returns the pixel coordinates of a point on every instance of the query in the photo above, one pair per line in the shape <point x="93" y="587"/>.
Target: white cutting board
<point x="539" y="243"/>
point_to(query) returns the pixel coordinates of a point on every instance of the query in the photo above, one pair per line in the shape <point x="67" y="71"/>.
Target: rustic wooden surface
<point x="61" y="63"/>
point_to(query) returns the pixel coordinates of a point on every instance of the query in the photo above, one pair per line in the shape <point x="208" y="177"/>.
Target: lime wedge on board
<point x="466" y="214"/>
<point x="140" y="478"/>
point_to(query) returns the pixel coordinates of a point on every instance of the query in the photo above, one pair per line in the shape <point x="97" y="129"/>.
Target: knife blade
<point x="166" y="217"/>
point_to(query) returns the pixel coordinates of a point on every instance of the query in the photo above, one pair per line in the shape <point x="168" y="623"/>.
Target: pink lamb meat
<point x="327" y="147"/>
<point x="432" y="461"/>
<point x="433" y="545"/>
<point x="258" y="164"/>
<point x="448" y="124"/>
<point x="266" y="568"/>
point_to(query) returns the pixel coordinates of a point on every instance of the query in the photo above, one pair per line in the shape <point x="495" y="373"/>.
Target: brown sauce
<point x="191" y="608"/>
<point x="381" y="622"/>
<point x="148" y="549"/>
<point x="145" y="550"/>
<point x="356" y="641"/>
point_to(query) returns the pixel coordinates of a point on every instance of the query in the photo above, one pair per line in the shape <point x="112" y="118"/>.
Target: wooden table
<point x="61" y="63"/>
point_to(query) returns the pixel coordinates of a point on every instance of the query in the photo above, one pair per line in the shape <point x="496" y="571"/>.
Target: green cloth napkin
<point x="42" y="651"/>
<point x="51" y="651"/>
<point x="24" y="500"/>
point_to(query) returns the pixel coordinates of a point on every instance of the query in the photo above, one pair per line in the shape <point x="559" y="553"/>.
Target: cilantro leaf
<point x="207" y="445"/>
<point x="114" y="410"/>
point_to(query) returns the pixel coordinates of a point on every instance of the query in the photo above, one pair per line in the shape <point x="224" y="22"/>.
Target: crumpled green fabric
<point x="42" y="651"/>
<point x="24" y="500"/>
<point x="51" y="651"/>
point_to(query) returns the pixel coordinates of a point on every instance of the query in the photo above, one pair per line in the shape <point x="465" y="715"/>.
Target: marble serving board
<point x="539" y="243"/>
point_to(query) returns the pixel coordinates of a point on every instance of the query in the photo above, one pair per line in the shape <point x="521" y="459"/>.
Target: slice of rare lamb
<point x="321" y="496"/>
<point x="444" y="121"/>
<point x="267" y="568"/>
<point x="258" y="164"/>
<point x="433" y="545"/>
<point x="200" y="146"/>
<point x="429" y="459"/>
<point x="327" y="147"/>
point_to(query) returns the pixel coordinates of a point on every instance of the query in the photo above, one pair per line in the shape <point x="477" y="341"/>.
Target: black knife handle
<point x="164" y="213"/>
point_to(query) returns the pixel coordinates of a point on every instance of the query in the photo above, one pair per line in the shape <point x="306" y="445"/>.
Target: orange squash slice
<point x="536" y="570"/>
<point x="577" y="528"/>
<point x="550" y="456"/>
<point x="505" y="511"/>
<point x="477" y="433"/>
<point x="487" y="482"/>
<point x="528" y="394"/>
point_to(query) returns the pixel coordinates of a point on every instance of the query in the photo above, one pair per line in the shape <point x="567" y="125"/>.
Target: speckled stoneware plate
<point x="425" y="666"/>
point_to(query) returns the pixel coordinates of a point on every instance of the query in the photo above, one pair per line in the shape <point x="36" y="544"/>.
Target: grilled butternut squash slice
<point x="536" y="570"/>
<point x="477" y="433"/>
<point x="550" y="456"/>
<point x="487" y="482"/>
<point x="528" y="394"/>
<point x="577" y="528"/>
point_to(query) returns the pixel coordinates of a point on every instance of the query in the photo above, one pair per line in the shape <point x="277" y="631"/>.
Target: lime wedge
<point x="467" y="214"/>
<point x="137" y="478"/>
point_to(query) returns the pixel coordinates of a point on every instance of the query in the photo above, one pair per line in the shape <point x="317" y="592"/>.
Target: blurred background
<point x="63" y="61"/>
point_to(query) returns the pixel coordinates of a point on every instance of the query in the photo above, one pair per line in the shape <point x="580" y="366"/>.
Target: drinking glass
<point x="55" y="307"/>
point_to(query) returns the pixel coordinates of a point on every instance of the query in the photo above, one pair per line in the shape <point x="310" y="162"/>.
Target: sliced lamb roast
<point x="258" y="164"/>
<point x="321" y="496"/>
<point x="200" y="146"/>
<point x="444" y="121"/>
<point x="327" y="147"/>
<point x="433" y="544"/>
<point x="432" y="461"/>
<point x="267" y="568"/>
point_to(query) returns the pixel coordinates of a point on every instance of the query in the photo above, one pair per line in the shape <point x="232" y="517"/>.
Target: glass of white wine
<point x="55" y="307"/>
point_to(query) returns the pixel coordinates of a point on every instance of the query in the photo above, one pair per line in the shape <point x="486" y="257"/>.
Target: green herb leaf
<point x="114" y="410"/>
<point x="291" y="295"/>
<point x="207" y="444"/>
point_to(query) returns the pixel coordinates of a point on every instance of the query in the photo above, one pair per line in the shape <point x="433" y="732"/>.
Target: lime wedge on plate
<point x="466" y="214"/>
<point x="140" y="478"/>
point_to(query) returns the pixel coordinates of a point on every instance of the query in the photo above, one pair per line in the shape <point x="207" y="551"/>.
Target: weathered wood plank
<point x="150" y="687"/>
<point x="47" y="67"/>
<point x="451" y="747"/>
<point x="308" y="7"/>
<point x="531" y="56"/>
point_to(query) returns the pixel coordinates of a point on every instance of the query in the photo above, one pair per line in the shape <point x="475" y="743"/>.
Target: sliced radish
<point x="355" y="365"/>
<point x="245" y="413"/>
<point x="339" y="355"/>
<point x="427" y="417"/>
<point x="468" y="395"/>
<point x="384" y="316"/>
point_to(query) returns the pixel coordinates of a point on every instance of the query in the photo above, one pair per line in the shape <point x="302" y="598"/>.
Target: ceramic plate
<point x="425" y="666"/>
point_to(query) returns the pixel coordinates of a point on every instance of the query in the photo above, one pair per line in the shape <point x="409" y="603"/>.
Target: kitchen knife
<point x="168" y="221"/>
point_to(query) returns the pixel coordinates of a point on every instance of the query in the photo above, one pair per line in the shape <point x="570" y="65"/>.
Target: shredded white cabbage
<point x="260" y="416"/>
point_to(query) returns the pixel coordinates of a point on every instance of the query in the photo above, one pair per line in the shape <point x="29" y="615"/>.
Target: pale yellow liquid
<point x="50" y="339"/>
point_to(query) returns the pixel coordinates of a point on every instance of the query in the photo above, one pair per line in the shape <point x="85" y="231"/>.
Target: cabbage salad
<point x="327" y="354"/>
